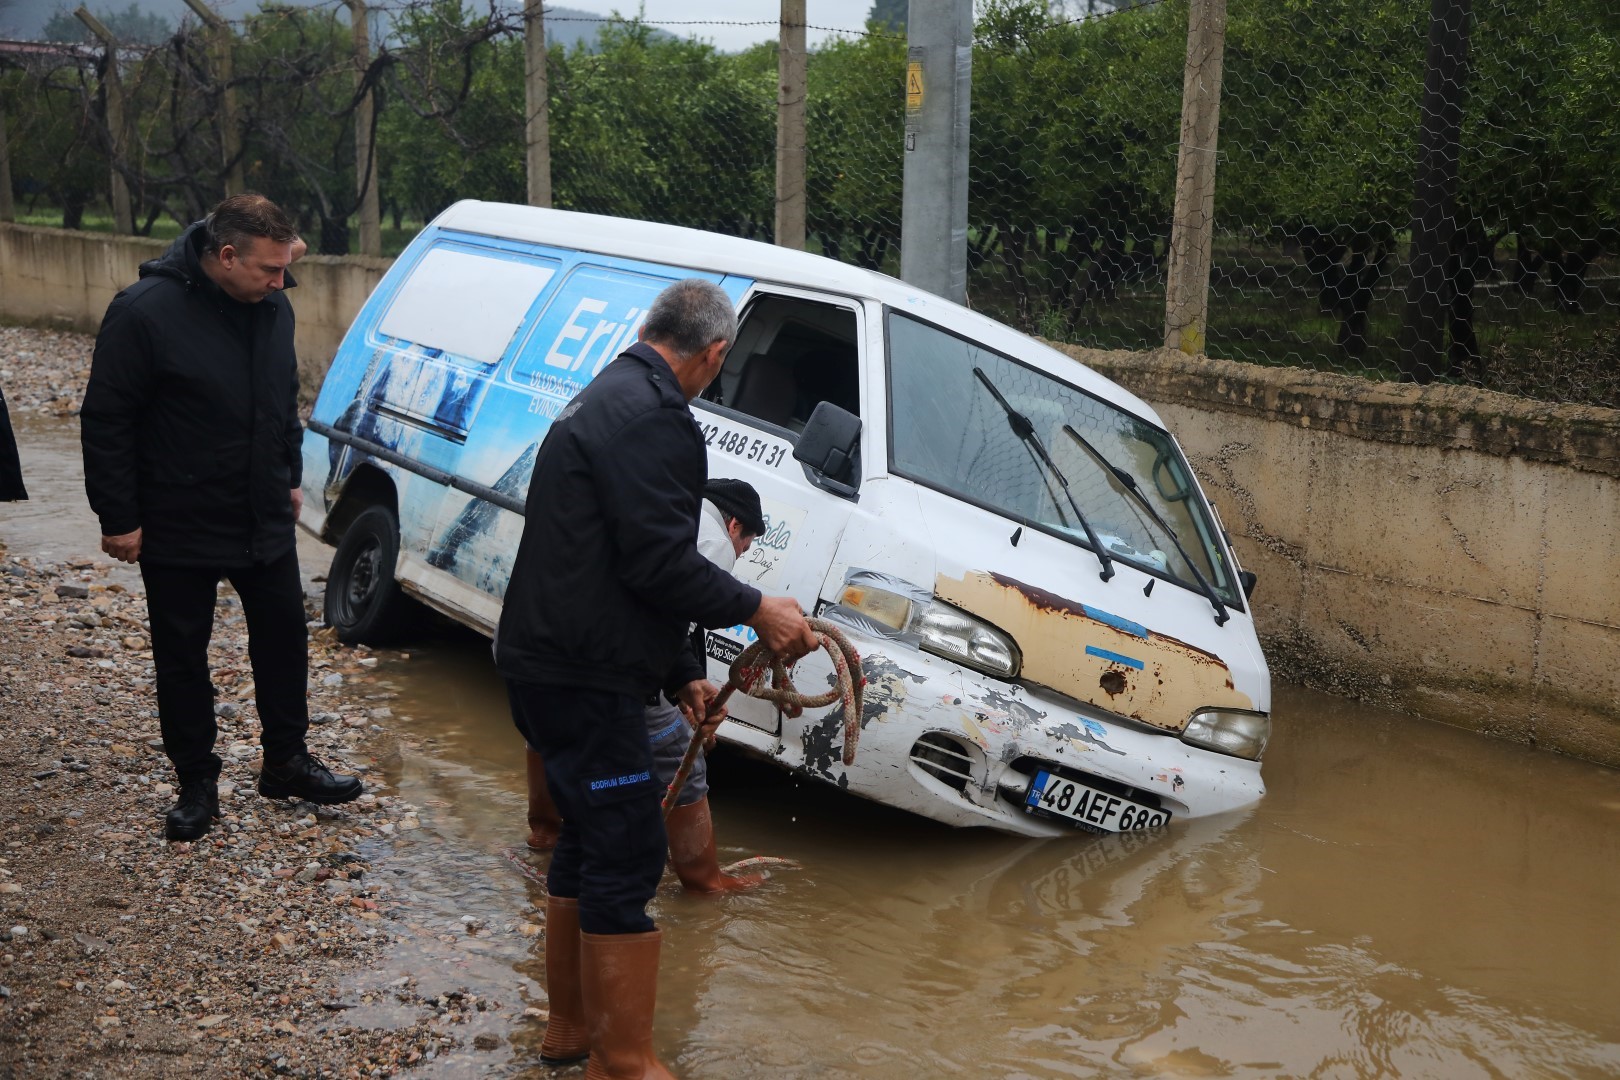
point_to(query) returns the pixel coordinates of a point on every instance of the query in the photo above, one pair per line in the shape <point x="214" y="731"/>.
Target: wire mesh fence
<point x="1328" y="135"/>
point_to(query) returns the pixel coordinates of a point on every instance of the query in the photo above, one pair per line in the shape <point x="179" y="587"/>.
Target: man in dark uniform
<point x="606" y="581"/>
<point x="192" y="462"/>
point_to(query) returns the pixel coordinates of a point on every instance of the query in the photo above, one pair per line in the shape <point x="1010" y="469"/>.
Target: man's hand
<point x="125" y="547"/>
<point x="694" y="699"/>
<point x="298" y="502"/>
<point x="781" y="625"/>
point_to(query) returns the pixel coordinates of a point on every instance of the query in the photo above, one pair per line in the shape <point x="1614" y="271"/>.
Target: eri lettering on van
<point x="611" y="334"/>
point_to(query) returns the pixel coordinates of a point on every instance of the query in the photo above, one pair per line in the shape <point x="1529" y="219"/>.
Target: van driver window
<point x="790" y="355"/>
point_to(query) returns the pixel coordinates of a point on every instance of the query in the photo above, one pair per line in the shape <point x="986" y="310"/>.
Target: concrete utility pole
<point x="230" y="133"/>
<point x="113" y="88"/>
<point x="365" y="158"/>
<point x="1431" y="291"/>
<point x="792" y="85"/>
<point x="1192" y="229"/>
<point x="8" y="212"/>
<point x="939" y="79"/>
<point x="537" y="128"/>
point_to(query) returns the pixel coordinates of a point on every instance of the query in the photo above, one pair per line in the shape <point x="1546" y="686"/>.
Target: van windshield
<point x="948" y="431"/>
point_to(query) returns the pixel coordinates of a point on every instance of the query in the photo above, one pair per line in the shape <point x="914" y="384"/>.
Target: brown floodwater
<point x="1408" y="899"/>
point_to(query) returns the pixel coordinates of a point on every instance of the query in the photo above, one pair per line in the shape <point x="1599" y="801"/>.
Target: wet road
<point x="1408" y="899"/>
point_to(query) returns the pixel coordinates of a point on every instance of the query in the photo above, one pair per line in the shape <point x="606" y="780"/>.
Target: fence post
<point x="230" y="135"/>
<point x="1192" y="228"/>
<point x="1430" y="291"/>
<point x="792" y="86"/>
<point x="113" y="89"/>
<point x="933" y="211"/>
<point x="537" y="125"/>
<point x="8" y="212"/>
<point x="365" y="157"/>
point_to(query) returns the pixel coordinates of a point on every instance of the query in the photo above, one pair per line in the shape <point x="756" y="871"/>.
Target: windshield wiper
<point x="1025" y="430"/>
<point x="1126" y="481"/>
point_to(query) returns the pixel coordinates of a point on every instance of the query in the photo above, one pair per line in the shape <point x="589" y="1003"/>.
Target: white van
<point x="1054" y="630"/>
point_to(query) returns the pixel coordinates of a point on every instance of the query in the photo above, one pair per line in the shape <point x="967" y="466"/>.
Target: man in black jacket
<point x="606" y="581"/>
<point x="192" y="462"/>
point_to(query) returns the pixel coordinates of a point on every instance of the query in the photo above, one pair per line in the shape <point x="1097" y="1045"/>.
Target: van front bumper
<point x="946" y="742"/>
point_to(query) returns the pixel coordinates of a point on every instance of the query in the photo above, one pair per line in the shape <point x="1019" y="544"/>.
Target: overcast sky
<point x="677" y="17"/>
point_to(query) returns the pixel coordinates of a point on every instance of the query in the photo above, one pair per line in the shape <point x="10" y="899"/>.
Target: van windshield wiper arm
<point x="1127" y="482"/>
<point x="1025" y="430"/>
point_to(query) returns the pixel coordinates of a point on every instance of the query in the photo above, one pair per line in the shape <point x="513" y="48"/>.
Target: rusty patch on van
<point x="1098" y="657"/>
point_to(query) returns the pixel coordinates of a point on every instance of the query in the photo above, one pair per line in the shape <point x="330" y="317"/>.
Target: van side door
<point x="795" y="348"/>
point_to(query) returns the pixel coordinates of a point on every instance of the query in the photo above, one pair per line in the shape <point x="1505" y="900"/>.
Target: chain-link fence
<point x="1335" y="116"/>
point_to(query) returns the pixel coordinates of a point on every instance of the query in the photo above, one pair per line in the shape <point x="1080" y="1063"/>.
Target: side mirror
<point x="828" y="447"/>
<point x="1247" y="579"/>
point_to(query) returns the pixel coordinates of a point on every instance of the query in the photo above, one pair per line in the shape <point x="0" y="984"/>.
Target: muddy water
<point x="1408" y="900"/>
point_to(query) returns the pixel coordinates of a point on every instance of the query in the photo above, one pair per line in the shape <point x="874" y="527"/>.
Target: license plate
<point x="1088" y="807"/>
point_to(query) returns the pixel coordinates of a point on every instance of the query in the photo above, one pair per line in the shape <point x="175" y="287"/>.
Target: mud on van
<point x="1054" y="630"/>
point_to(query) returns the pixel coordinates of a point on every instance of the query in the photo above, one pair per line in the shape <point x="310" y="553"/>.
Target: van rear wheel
<point x="364" y="602"/>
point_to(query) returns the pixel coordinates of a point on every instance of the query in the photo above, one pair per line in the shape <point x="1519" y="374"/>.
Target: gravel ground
<point x="237" y="955"/>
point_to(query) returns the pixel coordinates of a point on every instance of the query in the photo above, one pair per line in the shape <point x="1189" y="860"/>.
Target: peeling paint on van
<point x="1095" y="656"/>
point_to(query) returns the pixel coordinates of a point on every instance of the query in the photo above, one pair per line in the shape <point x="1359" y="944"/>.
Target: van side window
<point x="790" y="355"/>
<point x="595" y="314"/>
<point x="464" y="304"/>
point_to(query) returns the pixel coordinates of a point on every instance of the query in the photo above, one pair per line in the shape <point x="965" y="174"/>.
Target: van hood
<point x="1098" y="657"/>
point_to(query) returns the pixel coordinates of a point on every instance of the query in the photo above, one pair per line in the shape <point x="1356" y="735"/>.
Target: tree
<point x="889" y="14"/>
<point x="131" y="26"/>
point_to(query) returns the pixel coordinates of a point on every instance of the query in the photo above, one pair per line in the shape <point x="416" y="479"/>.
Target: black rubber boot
<point x="193" y="815"/>
<point x="303" y="777"/>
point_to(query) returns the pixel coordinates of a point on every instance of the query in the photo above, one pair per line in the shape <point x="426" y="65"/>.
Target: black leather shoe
<point x="194" y="814"/>
<point x="303" y="777"/>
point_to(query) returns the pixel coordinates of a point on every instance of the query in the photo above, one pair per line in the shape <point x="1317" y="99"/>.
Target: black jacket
<point x="190" y="422"/>
<point x="608" y="575"/>
<point x="11" y="480"/>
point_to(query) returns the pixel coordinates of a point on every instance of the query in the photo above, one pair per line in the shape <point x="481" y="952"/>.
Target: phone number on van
<point x="742" y="445"/>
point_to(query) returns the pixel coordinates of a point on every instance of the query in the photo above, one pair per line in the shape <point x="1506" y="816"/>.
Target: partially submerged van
<point x="1054" y="630"/>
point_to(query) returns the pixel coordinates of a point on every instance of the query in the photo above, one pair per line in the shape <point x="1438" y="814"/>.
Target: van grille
<point x="944" y="758"/>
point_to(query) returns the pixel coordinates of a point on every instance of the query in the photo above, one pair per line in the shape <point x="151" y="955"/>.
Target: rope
<point x="747" y="675"/>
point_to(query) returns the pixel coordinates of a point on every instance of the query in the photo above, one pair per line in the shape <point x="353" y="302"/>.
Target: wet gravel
<point x="248" y="952"/>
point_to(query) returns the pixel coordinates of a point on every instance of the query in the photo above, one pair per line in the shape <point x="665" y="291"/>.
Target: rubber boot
<point x="544" y="822"/>
<point x="621" y="985"/>
<point x="567" y="1039"/>
<point x="692" y="852"/>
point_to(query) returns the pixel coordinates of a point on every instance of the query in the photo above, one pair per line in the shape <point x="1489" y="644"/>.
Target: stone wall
<point x="66" y="278"/>
<point x="1448" y="551"/>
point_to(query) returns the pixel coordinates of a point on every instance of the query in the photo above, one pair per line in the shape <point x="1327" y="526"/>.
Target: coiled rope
<point x="747" y="674"/>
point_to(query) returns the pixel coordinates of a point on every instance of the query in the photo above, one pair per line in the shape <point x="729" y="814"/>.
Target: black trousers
<point x="599" y="767"/>
<point x="180" y="606"/>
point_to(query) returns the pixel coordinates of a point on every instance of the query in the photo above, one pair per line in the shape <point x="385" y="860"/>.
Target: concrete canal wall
<point x="66" y="278"/>
<point x="1446" y="551"/>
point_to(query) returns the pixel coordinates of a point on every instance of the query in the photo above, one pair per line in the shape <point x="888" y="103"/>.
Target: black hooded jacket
<point x="190" y="422"/>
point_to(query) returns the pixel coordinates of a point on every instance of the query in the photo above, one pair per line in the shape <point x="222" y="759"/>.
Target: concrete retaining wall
<point x="1448" y="551"/>
<point x="67" y="278"/>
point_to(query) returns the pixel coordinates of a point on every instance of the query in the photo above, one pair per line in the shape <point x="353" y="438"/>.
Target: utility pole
<point x="933" y="213"/>
<point x="365" y="157"/>
<point x="8" y="212"/>
<point x="230" y="133"/>
<point x="537" y="125"/>
<point x="113" y="90"/>
<point x="792" y="85"/>
<point x="1431" y="289"/>
<point x="1192" y="229"/>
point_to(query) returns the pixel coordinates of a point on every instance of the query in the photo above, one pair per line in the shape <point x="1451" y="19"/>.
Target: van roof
<point x="679" y="246"/>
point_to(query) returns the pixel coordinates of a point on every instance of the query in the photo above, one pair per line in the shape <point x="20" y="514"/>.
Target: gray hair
<point x="689" y="316"/>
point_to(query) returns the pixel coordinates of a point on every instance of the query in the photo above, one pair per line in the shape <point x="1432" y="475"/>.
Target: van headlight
<point x="899" y="610"/>
<point x="1229" y="731"/>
